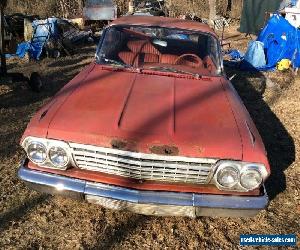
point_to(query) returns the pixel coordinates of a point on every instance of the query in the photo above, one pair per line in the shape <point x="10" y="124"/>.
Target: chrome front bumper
<point x="145" y="202"/>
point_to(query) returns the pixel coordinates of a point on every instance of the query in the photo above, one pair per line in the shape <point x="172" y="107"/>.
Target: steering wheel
<point x="190" y="60"/>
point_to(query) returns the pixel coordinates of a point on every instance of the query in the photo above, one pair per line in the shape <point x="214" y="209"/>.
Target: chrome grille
<point x="143" y="166"/>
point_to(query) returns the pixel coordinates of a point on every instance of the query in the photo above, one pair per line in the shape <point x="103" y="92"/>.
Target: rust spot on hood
<point x="123" y="144"/>
<point x="118" y="144"/>
<point x="164" y="150"/>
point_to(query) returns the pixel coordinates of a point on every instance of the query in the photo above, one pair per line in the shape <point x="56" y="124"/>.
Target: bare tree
<point x="3" y="61"/>
<point x="212" y="10"/>
<point x="3" y="4"/>
<point x="70" y="8"/>
<point x="63" y="8"/>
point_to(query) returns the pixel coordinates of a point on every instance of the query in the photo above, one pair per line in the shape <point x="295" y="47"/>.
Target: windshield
<point x="160" y="49"/>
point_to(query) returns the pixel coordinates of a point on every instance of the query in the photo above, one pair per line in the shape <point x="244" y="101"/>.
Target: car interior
<point x="142" y="50"/>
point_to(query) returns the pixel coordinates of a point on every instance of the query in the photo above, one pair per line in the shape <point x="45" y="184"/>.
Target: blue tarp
<point x="235" y="55"/>
<point x="22" y="49"/>
<point x="255" y="55"/>
<point x="43" y="31"/>
<point x="281" y="41"/>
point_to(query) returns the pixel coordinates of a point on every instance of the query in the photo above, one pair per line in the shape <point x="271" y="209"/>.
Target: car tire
<point x="56" y="53"/>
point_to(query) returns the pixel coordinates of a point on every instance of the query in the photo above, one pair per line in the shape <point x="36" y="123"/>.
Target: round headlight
<point x="36" y="152"/>
<point x="251" y="179"/>
<point x="228" y="177"/>
<point x="58" y="156"/>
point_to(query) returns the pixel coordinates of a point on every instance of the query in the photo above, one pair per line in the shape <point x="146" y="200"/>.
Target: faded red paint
<point x="149" y="110"/>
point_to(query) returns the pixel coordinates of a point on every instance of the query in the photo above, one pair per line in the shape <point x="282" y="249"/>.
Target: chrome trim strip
<point x="251" y="135"/>
<point x="56" y="181"/>
<point x="143" y="155"/>
<point x="61" y="183"/>
<point x="232" y="202"/>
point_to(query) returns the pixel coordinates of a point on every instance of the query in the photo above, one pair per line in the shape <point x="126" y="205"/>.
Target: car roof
<point x="166" y="22"/>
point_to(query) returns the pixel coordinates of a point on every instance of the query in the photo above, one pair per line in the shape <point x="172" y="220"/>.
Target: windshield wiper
<point x="173" y="70"/>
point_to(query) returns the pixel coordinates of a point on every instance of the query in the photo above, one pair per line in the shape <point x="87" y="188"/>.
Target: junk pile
<point x="277" y="46"/>
<point x="53" y="37"/>
<point x="98" y="13"/>
<point x="14" y="30"/>
<point x="147" y="8"/>
<point x="192" y="16"/>
<point x="10" y="31"/>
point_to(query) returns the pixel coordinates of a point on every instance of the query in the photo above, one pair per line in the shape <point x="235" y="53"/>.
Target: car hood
<point x="142" y="112"/>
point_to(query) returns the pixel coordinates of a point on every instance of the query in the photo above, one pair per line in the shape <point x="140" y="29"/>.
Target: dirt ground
<point x="30" y="220"/>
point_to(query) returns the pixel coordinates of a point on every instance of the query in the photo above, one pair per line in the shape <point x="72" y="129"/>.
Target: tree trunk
<point x="2" y="55"/>
<point x="236" y="8"/>
<point x="212" y="10"/>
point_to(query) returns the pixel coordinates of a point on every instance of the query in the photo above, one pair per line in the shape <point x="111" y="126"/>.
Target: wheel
<point x="56" y="53"/>
<point x="35" y="82"/>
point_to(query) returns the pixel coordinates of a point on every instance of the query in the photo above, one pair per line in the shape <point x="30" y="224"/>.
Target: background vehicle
<point x="97" y="13"/>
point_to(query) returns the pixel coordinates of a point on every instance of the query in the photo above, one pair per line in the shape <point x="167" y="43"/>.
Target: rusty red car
<point x="151" y="126"/>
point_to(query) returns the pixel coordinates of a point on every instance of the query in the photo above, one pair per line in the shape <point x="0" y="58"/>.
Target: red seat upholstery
<point x="148" y="48"/>
<point x="168" y="58"/>
<point x="145" y="52"/>
<point x="142" y="46"/>
<point x="142" y="51"/>
<point x="135" y="59"/>
<point x="135" y="46"/>
<point x="151" y="58"/>
<point x="128" y="57"/>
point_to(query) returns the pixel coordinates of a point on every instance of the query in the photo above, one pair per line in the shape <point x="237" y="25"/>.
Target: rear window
<point x="91" y="3"/>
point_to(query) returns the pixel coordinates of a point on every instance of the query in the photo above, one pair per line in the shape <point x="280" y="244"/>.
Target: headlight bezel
<point x="242" y="168"/>
<point x="48" y="144"/>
